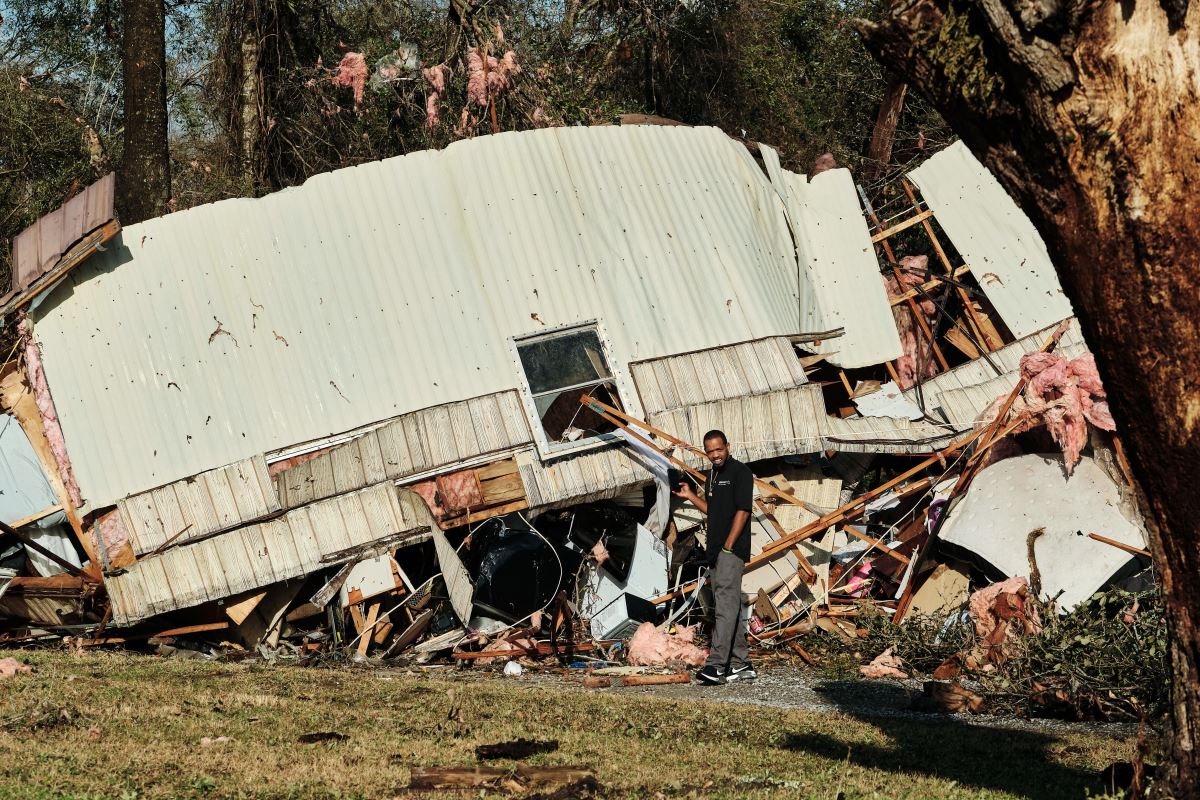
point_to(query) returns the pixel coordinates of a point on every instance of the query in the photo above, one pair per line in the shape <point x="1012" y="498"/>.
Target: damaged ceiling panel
<point x="1005" y="252"/>
<point x="206" y="336"/>
<point x="840" y="285"/>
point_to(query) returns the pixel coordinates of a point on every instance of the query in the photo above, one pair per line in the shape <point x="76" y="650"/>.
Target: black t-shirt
<point x="728" y="490"/>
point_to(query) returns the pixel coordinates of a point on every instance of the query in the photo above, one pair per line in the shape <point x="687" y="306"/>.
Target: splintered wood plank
<point x="496" y="469"/>
<point x="239" y="607"/>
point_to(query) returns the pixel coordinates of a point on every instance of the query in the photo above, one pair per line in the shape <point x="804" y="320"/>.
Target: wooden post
<point x="980" y="333"/>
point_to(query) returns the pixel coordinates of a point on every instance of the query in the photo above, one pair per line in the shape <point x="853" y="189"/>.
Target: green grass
<point x="120" y="725"/>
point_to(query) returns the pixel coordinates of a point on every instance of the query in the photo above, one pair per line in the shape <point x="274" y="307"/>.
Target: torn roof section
<point x="840" y="285"/>
<point x="997" y="240"/>
<point x="207" y="336"/>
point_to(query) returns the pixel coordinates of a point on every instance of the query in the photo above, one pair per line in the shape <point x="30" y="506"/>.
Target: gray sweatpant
<point x="729" y="646"/>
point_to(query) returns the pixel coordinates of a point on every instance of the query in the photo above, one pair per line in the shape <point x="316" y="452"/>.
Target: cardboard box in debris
<point x="375" y="414"/>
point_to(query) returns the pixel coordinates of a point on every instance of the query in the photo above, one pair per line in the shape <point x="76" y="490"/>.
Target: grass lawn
<point x="119" y="725"/>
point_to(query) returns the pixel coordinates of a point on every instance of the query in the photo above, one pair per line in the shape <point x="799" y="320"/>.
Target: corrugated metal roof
<point x="1005" y="252"/>
<point x="37" y="248"/>
<point x="840" y="284"/>
<point x="207" y="336"/>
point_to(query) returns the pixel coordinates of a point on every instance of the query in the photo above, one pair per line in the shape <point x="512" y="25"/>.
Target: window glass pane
<point x="562" y="360"/>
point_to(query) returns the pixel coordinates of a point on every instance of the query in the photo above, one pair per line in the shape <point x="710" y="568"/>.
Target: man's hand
<point x="684" y="490"/>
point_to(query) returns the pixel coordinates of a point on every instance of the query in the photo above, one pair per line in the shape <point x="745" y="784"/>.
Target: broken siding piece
<point x="199" y="506"/>
<point x="840" y="282"/>
<point x="1005" y="252"/>
<point x="723" y="373"/>
<point x="414" y="443"/>
<point x="245" y="559"/>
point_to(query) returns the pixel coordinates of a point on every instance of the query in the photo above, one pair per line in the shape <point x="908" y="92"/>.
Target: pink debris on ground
<point x="352" y="73"/>
<point x="488" y="76"/>
<point x="885" y="665"/>
<point x="652" y="647"/>
<point x="915" y="359"/>
<point x="983" y="603"/>
<point x="1064" y="396"/>
<point x="10" y="667"/>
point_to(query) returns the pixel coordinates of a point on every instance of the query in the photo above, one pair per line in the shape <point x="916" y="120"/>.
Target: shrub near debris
<point x="1106" y="660"/>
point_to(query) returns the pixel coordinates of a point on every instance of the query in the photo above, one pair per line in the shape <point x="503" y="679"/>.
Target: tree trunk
<point x="879" y="151"/>
<point x="144" y="180"/>
<point x="1088" y="113"/>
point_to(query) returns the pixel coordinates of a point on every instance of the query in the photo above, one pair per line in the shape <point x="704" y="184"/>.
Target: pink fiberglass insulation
<point x="436" y="78"/>
<point x="352" y="72"/>
<point x="983" y="602"/>
<point x="45" y="404"/>
<point x="885" y="665"/>
<point x="110" y="532"/>
<point x="488" y="76"/>
<point x="1063" y="395"/>
<point x="653" y="647"/>
<point x="913" y="361"/>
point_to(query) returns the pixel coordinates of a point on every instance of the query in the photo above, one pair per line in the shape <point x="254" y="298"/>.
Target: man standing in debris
<point x="728" y="493"/>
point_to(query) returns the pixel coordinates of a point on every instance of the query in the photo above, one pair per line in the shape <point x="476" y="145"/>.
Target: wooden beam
<point x="932" y="283"/>
<point x="45" y="512"/>
<point x="69" y="260"/>
<point x="1128" y="548"/>
<point x="902" y="226"/>
<point x="980" y="333"/>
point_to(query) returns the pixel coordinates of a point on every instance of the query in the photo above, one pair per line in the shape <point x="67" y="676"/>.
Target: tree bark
<point x="883" y="136"/>
<point x="144" y="179"/>
<point x="1088" y="113"/>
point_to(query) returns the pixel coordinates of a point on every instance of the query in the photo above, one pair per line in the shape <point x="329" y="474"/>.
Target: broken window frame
<point x="548" y="448"/>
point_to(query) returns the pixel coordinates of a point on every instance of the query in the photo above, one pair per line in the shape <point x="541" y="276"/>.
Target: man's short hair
<point x="716" y="434"/>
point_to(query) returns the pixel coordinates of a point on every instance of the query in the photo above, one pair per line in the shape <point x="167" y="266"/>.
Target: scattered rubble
<point x="940" y="488"/>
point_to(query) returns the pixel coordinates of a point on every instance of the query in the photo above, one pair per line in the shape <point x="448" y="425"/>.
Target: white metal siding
<point x="997" y="240"/>
<point x="381" y="289"/>
<point x="840" y="284"/>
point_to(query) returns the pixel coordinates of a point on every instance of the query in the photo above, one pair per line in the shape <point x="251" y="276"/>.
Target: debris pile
<point x="498" y="496"/>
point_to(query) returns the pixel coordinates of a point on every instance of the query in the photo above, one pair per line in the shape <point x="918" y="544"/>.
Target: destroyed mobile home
<point x="432" y="406"/>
